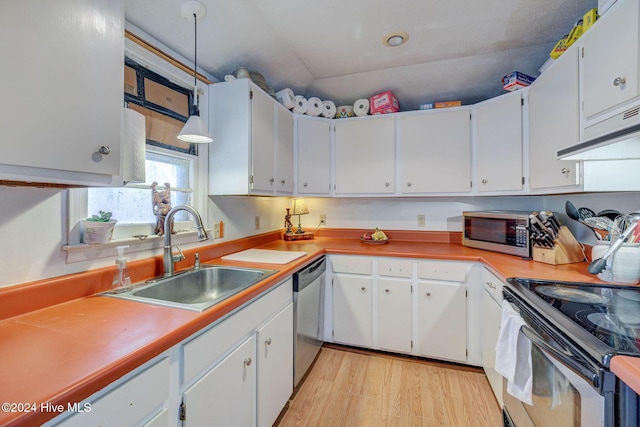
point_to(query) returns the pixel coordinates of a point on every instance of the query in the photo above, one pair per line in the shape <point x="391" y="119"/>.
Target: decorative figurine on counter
<point x="287" y="222"/>
<point x="161" y="201"/>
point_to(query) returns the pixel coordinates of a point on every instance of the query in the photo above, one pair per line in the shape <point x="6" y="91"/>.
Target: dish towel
<point x="513" y="355"/>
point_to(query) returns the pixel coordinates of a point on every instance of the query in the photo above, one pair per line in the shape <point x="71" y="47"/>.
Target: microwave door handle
<point x="563" y="357"/>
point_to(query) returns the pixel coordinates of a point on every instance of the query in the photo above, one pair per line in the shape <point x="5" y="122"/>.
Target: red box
<point x="383" y="103"/>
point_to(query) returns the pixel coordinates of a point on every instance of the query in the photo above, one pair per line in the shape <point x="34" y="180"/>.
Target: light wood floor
<point x="353" y="388"/>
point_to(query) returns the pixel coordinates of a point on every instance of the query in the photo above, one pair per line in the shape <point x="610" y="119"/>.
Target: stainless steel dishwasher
<point x="308" y="316"/>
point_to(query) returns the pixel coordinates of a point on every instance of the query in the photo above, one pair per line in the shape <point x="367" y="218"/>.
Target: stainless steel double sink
<point x="196" y="289"/>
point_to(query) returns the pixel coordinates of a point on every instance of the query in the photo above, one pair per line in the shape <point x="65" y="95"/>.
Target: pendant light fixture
<point x="195" y="130"/>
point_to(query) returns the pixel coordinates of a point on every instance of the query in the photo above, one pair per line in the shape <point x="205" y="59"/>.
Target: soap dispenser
<point x="122" y="280"/>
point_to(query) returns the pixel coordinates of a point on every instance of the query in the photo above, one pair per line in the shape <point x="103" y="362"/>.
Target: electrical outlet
<point x="216" y="230"/>
<point x="323" y="219"/>
<point x="257" y="221"/>
<point x="421" y="220"/>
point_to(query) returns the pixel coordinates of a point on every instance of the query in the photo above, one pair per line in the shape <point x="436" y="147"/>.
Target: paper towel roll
<point x="315" y="106"/>
<point x="301" y="105"/>
<point x="361" y="107"/>
<point x="134" y="143"/>
<point x="328" y="109"/>
<point x="286" y="98"/>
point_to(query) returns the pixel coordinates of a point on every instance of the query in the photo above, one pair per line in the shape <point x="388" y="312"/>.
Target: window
<point x="133" y="204"/>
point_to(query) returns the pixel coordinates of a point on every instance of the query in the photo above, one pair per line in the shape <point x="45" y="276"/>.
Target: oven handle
<point x="563" y="357"/>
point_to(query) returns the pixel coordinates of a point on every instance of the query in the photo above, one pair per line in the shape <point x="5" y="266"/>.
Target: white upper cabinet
<point x="554" y="123"/>
<point x="365" y="156"/>
<point x="62" y="91"/>
<point x="435" y="151"/>
<point x="252" y="149"/>
<point x="314" y="155"/>
<point x="610" y="59"/>
<point x="499" y="143"/>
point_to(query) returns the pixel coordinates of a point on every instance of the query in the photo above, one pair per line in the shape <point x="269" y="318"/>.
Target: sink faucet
<point x="169" y="259"/>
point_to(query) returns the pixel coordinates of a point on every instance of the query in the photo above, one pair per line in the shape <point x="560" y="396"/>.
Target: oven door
<point x="565" y="389"/>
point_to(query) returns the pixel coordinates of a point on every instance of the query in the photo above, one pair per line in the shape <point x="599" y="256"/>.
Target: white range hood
<point x="615" y="138"/>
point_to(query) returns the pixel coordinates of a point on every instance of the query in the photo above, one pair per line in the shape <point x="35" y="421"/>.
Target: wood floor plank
<point x="348" y="387"/>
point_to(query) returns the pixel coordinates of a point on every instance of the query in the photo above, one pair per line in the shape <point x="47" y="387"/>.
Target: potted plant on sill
<point x="98" y="228"/>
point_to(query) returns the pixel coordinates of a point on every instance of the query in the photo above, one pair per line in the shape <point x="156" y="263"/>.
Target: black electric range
<point x="603" y="320"/>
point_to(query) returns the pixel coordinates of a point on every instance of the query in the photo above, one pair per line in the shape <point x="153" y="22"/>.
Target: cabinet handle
<point x="386" y="184"/>
<point x="104" y="150"/>
<point x="565" y="171"/>
<point x="272" y="180"/>
<point x="484" y="181"/>
<point x="305" y="184"/>
<point x="363" y="289"/>
<point x="618" y="81"/>
<point x="387" y="291"/>
<point x="491" y="285"/>
<point x="282" y="182"/>
<point x="247" y="361"/>
<point x="267" y="341"/>
<point x="408" y="184"/>
<point x="428" y="295"/>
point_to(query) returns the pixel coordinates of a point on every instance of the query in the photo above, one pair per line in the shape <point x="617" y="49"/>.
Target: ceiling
<point x="457" y="49"/>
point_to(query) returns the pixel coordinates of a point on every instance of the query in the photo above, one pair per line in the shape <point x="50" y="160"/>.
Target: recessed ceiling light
<point x="395" y="39"/>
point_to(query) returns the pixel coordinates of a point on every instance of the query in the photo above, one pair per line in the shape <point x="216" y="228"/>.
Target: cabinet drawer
<point x="443" y="270"/>
<point x="394" y="267"/>
<point x="129" y="403"/>
<point x="492" y="285"/>
<point x="209" y="346"/>
<point x="351" y="264"/>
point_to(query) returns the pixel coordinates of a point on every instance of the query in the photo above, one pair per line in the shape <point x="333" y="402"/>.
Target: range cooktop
<point x="609" y="313"/>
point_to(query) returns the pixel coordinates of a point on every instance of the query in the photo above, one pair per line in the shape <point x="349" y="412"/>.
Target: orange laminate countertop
<point x="65" y="352"/>
<point x="627" y="368"/>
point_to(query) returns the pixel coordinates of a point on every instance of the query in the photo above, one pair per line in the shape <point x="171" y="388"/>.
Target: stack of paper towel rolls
<point x="311" y="107"/>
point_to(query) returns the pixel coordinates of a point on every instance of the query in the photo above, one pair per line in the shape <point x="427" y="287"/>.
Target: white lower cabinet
<point x="491" y="318"/>
<point x="225" y="395"/>
<point x="442" y="321"/>
<point x="275" y="362"/>
<point x="353" y="310"/>
<point x="394" y="315"/>
<point x="408" y="306"/>
<point x="134" y="401"/>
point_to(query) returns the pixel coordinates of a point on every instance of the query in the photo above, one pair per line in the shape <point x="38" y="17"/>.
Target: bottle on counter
<point x="122" y="280"/>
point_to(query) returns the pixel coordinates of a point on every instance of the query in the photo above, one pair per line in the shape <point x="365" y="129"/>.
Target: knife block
<point x="566" y="250"/>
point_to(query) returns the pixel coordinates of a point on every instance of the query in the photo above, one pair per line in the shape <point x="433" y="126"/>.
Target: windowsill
<point x="85" y="252"/>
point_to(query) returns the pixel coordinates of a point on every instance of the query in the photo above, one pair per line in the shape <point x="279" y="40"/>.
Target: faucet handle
<point x="196" y="264"/>
<point x="179" y="257"/>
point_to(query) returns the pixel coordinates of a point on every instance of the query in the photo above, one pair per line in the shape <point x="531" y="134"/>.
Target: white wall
<point x="33" y="221"/>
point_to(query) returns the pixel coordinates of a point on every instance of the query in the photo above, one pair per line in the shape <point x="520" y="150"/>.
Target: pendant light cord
<point x="195" y="60"/>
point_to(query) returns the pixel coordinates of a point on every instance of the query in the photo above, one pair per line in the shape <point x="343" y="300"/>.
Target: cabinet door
<point x="554" y="124"/>
<point x="499" y="143"/>
<point x="314" y="151"/>
<point x="284" y="151"/>
<point x="442" y="321"/>
<point x="275" y="366"/>
<point x="263" y="131"/>
<point x="365" y="156"/>
<point x="225" y="395"/>
<point x="394" y="315"/>
<point x="610" y="56"/>
<point x="491" y="316"/>
<point x="62" y="89"/>
<point x="352" y="310"/>
<point x="435" y="152"/>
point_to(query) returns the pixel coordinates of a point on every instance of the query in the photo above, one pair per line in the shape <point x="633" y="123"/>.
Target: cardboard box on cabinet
<point x="384" y="103"/>
<point x="516" y="80"/>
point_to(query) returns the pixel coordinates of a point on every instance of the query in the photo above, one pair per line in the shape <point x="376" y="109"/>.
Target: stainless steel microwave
<point x="498" y="231"/>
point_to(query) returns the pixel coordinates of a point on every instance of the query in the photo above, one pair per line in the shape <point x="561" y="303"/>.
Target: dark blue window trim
<point x="140" y="99"/>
